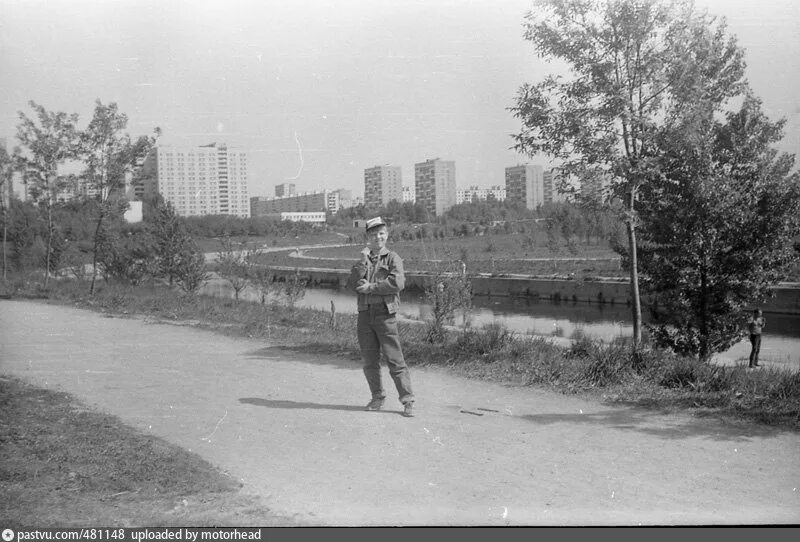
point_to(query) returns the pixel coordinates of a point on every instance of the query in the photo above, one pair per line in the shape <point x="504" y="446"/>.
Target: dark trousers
<point x="377" y="331"/>
<point x="755" y="340"/>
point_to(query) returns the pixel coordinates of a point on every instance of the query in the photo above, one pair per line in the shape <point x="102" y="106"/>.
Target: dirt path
<point x="292" y="428"/>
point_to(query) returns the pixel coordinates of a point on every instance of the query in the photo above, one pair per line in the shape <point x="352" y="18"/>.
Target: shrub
<point x="294" y="288"/>
<point x="130" y="258"/>
<point x="491" y="338"/>
<point x="607" y="364"/>
<point x="448" y="291"/>
<point x="190" y="271"/>
<point x="679" y="373"/>
<point x="787" y="388"/>
<point x="582" y="346"/>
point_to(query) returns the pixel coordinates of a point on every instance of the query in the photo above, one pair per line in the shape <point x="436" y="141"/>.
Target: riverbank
<point x="611" y="291"/>
<point x="653" y="379"/>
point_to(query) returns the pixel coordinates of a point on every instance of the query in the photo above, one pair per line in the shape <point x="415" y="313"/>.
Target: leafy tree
<point x="264" y="279"/>
<point x="173" y="243"/>
<point x="110" y="156"/>
<point x="178" y="257"/>
<point x="125" y="255"/>
<point x="294" y="288"/>
<point x="449" y="290"/>
<point x="190" y="272"/>
<point x="234" y="265"/>
<point x="260" y="275"/>
<point x="636" y="67"/>
<point x="718" y="227"/>
<point x="6" y="172"/>
<point x="26" y="229"/>
<point x="47" y="142"/>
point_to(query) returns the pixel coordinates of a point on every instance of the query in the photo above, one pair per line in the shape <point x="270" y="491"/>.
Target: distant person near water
<point x="755" y="326"/>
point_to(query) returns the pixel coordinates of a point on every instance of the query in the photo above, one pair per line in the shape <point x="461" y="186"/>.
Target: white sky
<point x="356" y="82"/>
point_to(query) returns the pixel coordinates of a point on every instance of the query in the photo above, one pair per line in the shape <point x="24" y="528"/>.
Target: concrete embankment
<point x="612" y="291"/>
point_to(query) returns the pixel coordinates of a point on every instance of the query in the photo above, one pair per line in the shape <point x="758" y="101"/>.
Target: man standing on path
<point x="378" y="279"/>
<point x="755" y="326"/>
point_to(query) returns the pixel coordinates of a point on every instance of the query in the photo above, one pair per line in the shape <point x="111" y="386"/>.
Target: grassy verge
<point x="653" y="378"/>
<point x="63" y="465"/>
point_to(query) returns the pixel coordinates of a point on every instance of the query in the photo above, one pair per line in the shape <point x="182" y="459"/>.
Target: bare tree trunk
<point x="49" y="239"/>
<point x="6" y="215"/>
<point x="5" y="241"/>
<point x="636" y="307"/>
<point x="704" y="348"/>
<point x="94" y="250"/>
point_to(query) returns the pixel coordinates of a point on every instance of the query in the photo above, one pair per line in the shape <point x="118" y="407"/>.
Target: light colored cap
<point x="375" y="222"/>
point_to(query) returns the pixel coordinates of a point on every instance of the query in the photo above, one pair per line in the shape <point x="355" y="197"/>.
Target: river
<point x="780" y="345"/>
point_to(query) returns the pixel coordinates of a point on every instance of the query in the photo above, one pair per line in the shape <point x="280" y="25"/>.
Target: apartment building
<point x="551" y="191"/>
<point x="382" y="184"/>
<point x="408" y="194"/>
<point x="473" y="193"/>
<point x="525" y="183"/>
<point x="435" y="185"/>
<point x="284" y="189"/>
<point x="205" y="180"/>
<point x="346" y="199"/>
<point x="305" y="202"/>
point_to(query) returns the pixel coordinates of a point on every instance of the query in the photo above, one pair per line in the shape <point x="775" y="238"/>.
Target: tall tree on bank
<point x="635" y="66"/>
<point x="718" y="227"/>
<point x="47" y="142"/>
<point x="110" y="156"/>
<point x="176" y="251"/>
<point x="6" y="172"/>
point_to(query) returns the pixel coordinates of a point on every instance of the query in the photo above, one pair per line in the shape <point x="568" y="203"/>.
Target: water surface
<point x="780" y="344"/>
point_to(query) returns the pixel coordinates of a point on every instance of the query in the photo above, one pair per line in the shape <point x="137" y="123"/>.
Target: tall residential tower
<point x="382" y="184"/>
<point x="206" y="180"/>
<point x="525" y="183"/>
<point x="435" y="183"/>
<point x="284" y="189"/>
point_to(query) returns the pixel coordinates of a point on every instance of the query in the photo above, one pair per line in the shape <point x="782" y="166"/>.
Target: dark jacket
<point x="386" y="279"/>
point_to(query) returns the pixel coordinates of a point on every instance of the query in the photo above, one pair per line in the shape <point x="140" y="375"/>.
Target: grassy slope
<point x="497" y="254"/>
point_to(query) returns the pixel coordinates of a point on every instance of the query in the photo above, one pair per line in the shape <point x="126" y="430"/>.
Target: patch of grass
<point x="211" y="244"/>
<point x="64" y="465"/>
<point x="490" y="340"/>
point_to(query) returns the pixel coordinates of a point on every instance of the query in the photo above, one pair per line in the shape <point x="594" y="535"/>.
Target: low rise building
<point x="474" y="193"/>
<point x="318" y="217"/>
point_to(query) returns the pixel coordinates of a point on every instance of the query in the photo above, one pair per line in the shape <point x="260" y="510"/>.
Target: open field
<point x="208" y="244"/>
<point x="494" y="254"/>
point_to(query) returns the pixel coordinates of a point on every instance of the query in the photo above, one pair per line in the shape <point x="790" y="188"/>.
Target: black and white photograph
<point x="397" y="263"/>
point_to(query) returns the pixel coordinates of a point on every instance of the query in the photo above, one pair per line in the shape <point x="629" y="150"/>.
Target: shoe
<point x="375" y="404"/>
<point x="408" y="409"/>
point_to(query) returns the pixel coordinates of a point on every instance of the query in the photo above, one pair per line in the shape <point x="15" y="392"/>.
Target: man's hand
<point x="362" y="286"/>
